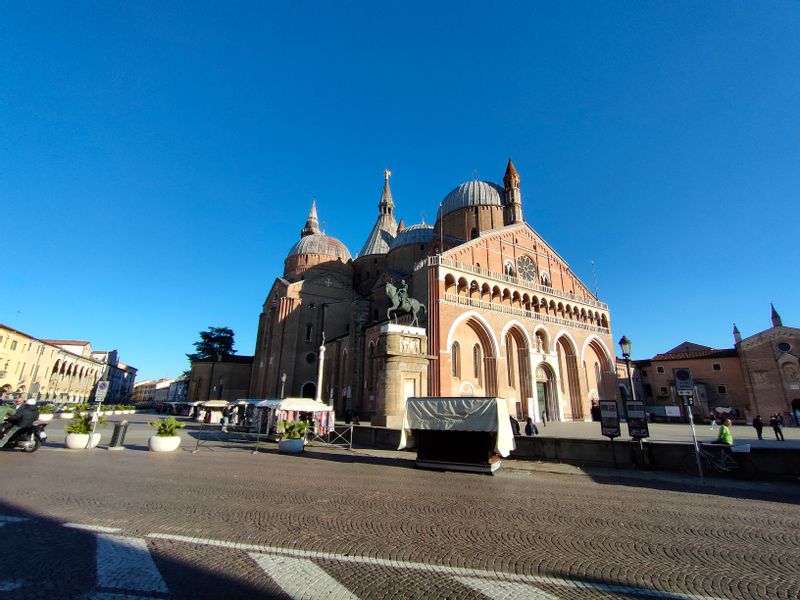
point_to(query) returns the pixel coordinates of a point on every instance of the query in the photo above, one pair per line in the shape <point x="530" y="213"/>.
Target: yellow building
<point x="62" y="370"/>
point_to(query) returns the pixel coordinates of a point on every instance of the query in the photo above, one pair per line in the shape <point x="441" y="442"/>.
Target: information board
<point x="683" y="382"/>
<point x="609" y="419"/>
<point x="637" y="420"/>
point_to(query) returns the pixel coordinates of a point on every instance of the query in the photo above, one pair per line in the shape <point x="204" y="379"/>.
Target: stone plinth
<point x="405" y="372"/>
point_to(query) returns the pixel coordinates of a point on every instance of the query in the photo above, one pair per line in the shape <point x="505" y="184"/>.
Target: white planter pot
<point x="160" y="443"/>
<point x="80" y="441"/>
<point x="45" y="417"/>
<point x="291" y="446"/>
<point x="65" y="415"/>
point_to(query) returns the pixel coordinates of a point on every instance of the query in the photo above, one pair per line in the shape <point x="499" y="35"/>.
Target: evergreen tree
<point x="216" y="343"/>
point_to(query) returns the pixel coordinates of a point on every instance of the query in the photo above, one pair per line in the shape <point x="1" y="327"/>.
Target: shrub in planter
<point x="46" y="412"/>
<point x="293" y="436"/>
<point x="166" y="438"/>
<point x="79" y="432"/>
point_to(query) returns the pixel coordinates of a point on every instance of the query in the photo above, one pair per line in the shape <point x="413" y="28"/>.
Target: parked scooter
<point x="27" y="439"/>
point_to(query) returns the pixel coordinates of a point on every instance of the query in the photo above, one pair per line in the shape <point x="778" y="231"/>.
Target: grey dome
<point x="319" y="243"/>
<point x="421" y="233"/>
<point x="472" y="193"/>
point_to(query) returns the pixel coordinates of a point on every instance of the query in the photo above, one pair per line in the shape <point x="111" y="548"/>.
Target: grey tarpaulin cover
<point x="459" y="414"/>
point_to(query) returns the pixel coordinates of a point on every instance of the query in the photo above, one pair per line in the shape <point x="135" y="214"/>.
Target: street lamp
<point x="625" y="345"/>
<point x="283" y="384"/>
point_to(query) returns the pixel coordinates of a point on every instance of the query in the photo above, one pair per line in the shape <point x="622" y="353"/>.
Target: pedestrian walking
<point x="758" y="425"/>
<point x="544" y="418"/>
<point x="530" y="427"/>
<point x="776" y="422"/>
<point x="713" y="420"/>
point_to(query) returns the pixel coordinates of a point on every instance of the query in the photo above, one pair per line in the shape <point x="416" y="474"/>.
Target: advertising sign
<point x="683" y="382"/>
<point x="609" y="419"/>
<point x="637" y="420"/>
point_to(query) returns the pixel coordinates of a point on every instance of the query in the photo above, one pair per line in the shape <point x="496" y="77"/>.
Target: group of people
<point x="775" y="421"/>
<point x="725" y="437"/>
<point x="530" y="427"/>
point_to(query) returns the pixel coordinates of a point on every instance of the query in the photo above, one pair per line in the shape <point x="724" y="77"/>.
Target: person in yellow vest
<point x="724" y="436"/>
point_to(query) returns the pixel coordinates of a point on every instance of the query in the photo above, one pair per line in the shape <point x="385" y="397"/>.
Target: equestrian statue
<point x="401" y="303"/>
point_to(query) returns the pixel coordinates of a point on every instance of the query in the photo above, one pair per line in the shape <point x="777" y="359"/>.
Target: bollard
<point x="118" y="437"/>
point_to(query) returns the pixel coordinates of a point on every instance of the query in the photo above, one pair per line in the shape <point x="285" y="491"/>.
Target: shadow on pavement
<point x="51" y="560"/>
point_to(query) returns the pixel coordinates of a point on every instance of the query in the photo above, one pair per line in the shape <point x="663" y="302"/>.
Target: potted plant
<point x="46" y="412"/>
<point x="166" y="438"/>
<point x="66" y="412"/>
<point x="79" y="433"/>
<point x="293" y="438"/>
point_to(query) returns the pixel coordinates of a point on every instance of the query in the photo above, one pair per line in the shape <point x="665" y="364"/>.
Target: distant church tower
<point x="513" y="211"/>
<point x="737" y="337"/>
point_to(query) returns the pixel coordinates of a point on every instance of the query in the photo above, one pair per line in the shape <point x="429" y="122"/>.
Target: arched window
<point x="545" y="278"/>
<point x="455" y="359"/>
<point x="508" y="268"/>
<point x="476" y="362"/>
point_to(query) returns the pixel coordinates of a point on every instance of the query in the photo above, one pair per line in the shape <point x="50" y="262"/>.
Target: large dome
<point x="472" y="193"/>
<point x="420" y="233"/>
<point x="319" y="243"/>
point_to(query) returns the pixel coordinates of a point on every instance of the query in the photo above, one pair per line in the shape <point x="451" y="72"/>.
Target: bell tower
<point x="513" y="208"/>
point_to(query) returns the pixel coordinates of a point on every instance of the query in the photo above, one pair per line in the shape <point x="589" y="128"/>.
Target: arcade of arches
<point x="543" y="374"/>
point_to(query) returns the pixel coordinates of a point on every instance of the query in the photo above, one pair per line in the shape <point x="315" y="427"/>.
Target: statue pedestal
<point x="404" y="350"/>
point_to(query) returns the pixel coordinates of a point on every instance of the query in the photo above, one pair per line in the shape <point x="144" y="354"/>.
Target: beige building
<point x="227" y="379"/>
<point x="57" y="370"/>
<point x="504" y="315"/>
<point x="759" y="375"/>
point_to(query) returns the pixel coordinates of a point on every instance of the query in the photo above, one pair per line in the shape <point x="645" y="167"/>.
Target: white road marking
<point x="505" y="590"/>
<point x="7" y="519"/>
<point x="95" y="528"/>
<point x="116" y="596"/>
<point x="440" y="569"/>
<point x="300" y="578"/>
<point x="125" y="563"/>
<point x="9" y="585"/>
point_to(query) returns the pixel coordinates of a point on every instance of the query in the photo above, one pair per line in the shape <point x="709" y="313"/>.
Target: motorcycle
<point x="27" y="439"/>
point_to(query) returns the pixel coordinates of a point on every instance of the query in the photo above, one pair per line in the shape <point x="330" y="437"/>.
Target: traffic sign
<point x="102" y="390"/>
<point x="683" y="382"/>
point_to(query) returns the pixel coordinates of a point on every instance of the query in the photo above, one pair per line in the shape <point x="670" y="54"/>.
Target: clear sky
<point x="158" y="160"/>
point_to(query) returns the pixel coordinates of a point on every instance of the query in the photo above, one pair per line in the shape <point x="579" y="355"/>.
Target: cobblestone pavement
<point x="224" y="523"/>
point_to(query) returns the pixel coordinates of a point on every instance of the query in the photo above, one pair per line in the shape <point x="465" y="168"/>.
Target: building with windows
<point x="58" y="370"/>
<point x="503" y="315"/>
<point x="759" y="375"/>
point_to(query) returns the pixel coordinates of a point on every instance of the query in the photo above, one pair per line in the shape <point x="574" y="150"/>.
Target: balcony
<point x="516" y="281"/>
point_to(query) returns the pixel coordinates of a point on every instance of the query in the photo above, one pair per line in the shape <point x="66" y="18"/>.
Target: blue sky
<point x="158" y="162"/>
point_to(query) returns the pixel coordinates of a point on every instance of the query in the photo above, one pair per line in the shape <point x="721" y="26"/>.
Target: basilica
<point x="496" y="312"/>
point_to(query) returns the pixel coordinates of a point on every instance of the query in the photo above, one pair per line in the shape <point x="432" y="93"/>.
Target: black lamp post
<point x="625" y="345"/>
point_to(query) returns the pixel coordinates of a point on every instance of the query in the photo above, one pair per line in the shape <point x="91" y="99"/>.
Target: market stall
<point x="243" y="416"/>
<point x="458" y="434"/>
<point x="210" y="411"/>
<point x="269" y="413"/>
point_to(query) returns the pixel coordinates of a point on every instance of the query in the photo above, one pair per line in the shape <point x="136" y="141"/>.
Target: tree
<point x="216" y="343"/>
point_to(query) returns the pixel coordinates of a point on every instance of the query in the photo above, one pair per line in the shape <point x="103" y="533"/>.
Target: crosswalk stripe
<point x="301" y="578"/>
<point x="125" y="563"/>
<point x="505" y="590"/>
<point x="439" y="569"/>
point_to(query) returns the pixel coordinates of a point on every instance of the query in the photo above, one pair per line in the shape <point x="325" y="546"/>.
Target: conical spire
<point x="385" y="228"/>
<point x="511" y="178"/>
<point x="776" y="318"/>
<point x="312" y="223"/>
<point x="386" y="205"/>
<point x="737" y="337"/>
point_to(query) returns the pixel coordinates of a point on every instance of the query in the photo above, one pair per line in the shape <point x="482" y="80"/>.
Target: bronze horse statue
<point x="402" y="303"/>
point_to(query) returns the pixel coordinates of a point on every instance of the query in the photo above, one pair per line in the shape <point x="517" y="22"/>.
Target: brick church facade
<point x="504" y="315"/>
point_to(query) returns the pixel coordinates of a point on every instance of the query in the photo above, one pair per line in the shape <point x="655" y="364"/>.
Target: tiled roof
<point x="710" y="353"/>
<point x="67" y="342"/>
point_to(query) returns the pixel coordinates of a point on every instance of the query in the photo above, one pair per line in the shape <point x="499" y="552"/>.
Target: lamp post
<point x="283" y="384"/>
<point x="635" y="413"/>
<point x="625" y="345"/>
